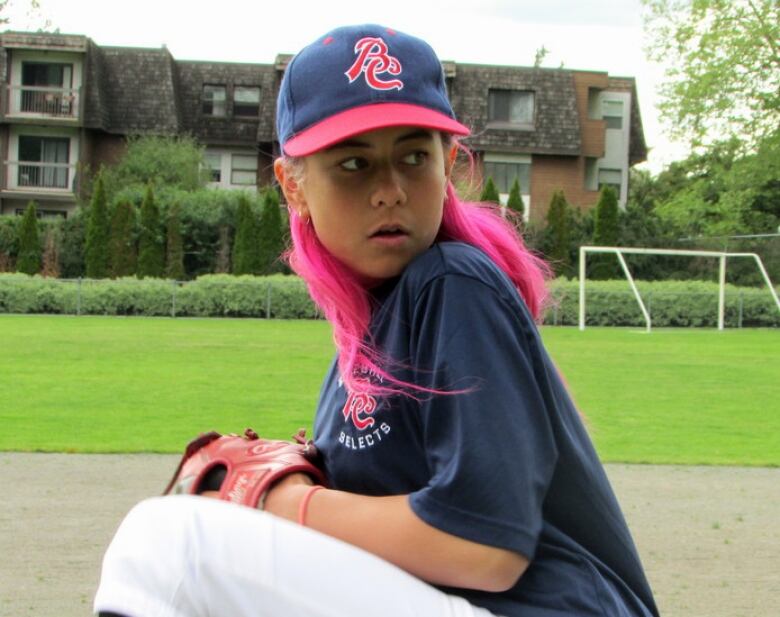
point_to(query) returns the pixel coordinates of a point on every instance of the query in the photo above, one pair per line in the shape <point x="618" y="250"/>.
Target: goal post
<point x="619" y="251"/>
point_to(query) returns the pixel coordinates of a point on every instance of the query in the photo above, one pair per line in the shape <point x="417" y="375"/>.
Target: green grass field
<point x="107" y="384"/>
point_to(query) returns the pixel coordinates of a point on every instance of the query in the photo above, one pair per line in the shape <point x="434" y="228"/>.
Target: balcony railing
<point x="43" y="101"/>
<point x="31" y="174"/>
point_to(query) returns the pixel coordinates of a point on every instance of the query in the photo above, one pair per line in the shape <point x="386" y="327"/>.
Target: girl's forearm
<point x="389" y="528"/>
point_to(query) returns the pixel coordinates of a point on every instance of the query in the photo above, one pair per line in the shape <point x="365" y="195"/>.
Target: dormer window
<point x="214" y="100"/>
<point x="246" y="101"/>
<point x="511" y="108"/>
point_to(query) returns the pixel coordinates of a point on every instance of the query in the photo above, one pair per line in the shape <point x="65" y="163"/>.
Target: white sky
<point x="604" y="35"/>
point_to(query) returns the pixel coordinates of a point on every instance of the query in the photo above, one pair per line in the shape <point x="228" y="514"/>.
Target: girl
<point x="462" y="480"/>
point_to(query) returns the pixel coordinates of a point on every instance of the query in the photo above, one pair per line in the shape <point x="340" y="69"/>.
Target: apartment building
<point x="68" y="105"/>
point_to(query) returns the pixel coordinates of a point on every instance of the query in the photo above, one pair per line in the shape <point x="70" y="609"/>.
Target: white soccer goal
<point x="619" y="251"/>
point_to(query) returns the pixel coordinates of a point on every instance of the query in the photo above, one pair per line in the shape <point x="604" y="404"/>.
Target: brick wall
<point x="551" y="173"/>
<point x="592" y="131"/>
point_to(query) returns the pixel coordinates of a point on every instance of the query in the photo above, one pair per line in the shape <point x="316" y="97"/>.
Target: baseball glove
<point x="242" y="467"/>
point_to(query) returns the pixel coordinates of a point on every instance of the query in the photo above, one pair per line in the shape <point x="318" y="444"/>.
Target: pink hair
<point x="347" y="304"/>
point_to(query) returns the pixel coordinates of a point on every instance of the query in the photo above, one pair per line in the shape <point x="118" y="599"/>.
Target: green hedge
<point x="609" y="303"/>
<point x="670" y="304"/>
<point x="217" y="295"/>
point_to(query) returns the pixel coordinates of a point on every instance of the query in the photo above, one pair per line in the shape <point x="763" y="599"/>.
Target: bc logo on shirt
<point x="359" y="407"/>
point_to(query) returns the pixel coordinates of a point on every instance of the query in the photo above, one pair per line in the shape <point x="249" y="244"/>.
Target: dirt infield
<point x="709" y="536"/>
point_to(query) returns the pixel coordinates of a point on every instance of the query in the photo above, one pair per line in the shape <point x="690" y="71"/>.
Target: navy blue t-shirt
<point x="506" y="461"/>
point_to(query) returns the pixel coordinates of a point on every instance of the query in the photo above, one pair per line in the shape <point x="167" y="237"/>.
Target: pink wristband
<point x="305" y="503"/>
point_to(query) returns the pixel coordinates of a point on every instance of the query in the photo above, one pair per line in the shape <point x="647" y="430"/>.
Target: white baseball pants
<point x="185" y="556"/>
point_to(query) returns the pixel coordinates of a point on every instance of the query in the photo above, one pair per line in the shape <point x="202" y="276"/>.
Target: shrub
<point x="174" y="249"/>
<point x="557" y="243"/>
<point x="670" y="304"/>
<point x="122" y="242"/>
<point x="271" y="241"/>
<point x="8" y="242"/>
<point x="29" y="258"/>
<point x="96" y="255"/>
<point x="151" y="257"/>
<point x="246" y="247"/>
<point x="490" y="192"/>
<point x="605" y="233"/>
<point x="515" y="200"/>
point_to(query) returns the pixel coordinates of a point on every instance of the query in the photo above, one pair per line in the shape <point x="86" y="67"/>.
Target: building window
<point x="591" y="173"/>
<point x="514" y="107"/>
<point x="612" y="111"/>
<point x="505" y="173"/>
<point x="214" y="98"/>
<point x="246" y="101"/>
<point x="214" y="166"/>
<point x="594" y="104"/>
<point x="243" y="169"/>
<point x="610" y="177"/>
<point x="43" y="161"/>
<point x="47" y="88"/>
<point x="45" y="214"/>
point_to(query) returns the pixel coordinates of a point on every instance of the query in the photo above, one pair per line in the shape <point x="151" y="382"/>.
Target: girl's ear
<point x="449" y="162"/>
<point x="291" y="188"/>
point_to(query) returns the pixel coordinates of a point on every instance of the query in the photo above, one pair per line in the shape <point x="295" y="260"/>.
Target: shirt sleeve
<point x="489" y="446"/>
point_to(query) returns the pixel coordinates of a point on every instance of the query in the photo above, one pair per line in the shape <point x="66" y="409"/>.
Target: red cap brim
<point x="368" y="118"/>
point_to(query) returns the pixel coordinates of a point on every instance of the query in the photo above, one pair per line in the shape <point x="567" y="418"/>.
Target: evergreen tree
<point x="558" y="233"/>
<point x="222" y="264"/>
<point x="515" y="201"/>
<point x="151" y="245"/>
<point x="246" y="255"/>
<point x="123" y="249"/>
<point x="490" y="192"/>
<point x="51" y="253"/>
<point x="270" y="234"/>
<point x="606" y="231"/>
<point x="174" y="257"/>
<point x="28" y="259"/>
<point x="96" y="253"/>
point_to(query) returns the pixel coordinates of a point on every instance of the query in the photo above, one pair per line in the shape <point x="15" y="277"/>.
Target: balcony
<point x="27" y="175"/>
<point x="43" y="102"/>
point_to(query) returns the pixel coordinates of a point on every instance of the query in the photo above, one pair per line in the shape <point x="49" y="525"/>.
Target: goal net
<point x="620" y="251"/>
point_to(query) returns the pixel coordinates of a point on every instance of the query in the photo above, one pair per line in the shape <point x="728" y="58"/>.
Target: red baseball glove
<point x="242" y="467"/>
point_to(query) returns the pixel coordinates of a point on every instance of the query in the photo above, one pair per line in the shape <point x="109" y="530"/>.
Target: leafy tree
<point x="123" y="248"/>
<point x="558" y="234"/>
<point x="515" y="201"/>
<point x="173" y="162"/>
<point x="96" y="255"/>
<point x="723" y="58"/>
<point x="246" y="254"/>
<point x="605" y="232"/>
<point x="270" y="234"/>
<point x="28" y="259"/>
<point x="490" y="192"/>
<point x="174" y="247"/>
<point x="151" y="246"/>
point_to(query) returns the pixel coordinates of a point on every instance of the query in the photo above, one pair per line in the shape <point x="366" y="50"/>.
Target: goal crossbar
<point x="619" y="251"/>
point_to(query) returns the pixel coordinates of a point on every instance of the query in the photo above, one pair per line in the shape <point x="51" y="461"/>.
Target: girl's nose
<point x="388" y="190"/>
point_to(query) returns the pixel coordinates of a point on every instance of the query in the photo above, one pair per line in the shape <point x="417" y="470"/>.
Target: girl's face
<point x="375" y="200"/>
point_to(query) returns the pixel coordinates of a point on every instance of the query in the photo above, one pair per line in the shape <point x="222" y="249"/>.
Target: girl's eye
<point x="353" y="164"/>
<point x="415" y="158"/>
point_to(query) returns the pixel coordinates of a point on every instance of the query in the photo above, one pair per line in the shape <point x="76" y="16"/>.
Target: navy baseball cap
<point x="356" y="79"/>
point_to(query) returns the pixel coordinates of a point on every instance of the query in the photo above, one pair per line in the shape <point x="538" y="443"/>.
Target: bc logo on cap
<point x="372" y="61"/>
